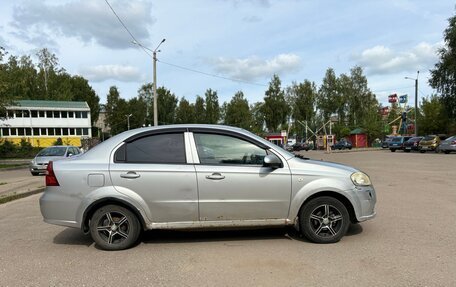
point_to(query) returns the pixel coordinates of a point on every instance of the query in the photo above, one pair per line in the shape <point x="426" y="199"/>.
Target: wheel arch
<point x="89" y="211"/>
<point x="344" y="200"/>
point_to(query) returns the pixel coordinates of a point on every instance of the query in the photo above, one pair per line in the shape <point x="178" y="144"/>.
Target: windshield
<point x="52" y="151"/>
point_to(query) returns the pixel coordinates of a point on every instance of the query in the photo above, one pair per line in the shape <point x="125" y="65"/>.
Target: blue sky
<point x="248" y="40"/>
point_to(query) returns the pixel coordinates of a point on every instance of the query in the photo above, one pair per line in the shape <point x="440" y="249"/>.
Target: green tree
<point x="6" y="98"/>
<point x="145" y="93"/>
<point x="433" y="118"/>
<point x="257" y="125"/>
<point x="200" y="111"/>
<point x="167" y="104"/>
<point x="116" y="111"/>
<point x="238" y="112"/>
<point x="212" y="107"/>
<point x="443" y="76"/>
<point x="47" y="64"/>
<point x="137" y="109"/>
<point x="302" y="98"/>
<point x="329" y="99"/>
<point x="185" y="112"/>
<point x="81" y="91"/>
<point x="275" y="109"/>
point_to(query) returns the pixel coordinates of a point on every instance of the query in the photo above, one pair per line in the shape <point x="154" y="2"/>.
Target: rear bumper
<point x="58" y="208"/>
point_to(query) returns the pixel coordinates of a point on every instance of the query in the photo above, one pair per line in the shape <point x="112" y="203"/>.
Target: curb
<point x="14" y="196"/>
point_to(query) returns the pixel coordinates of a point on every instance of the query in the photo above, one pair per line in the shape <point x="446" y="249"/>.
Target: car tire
<point x="392" y="150"/>
<point x="324" y="220"/>
<point x="406" y="150"/>
<point x="349" y="148"/>
<point x="446" y="151"/>
<point x="422" y="151"/>
<point x="114" y="227"/>
<point x="34" y="173"/>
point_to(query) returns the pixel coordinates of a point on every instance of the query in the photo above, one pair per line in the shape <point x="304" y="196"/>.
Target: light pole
<point x="416" y="100"/>
<point x="154" y="85"/>
<point x="128" y="120"/>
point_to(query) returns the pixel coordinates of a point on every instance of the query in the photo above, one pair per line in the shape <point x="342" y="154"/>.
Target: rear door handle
<point x="215" y="176"/>
<point x="130" y="174"/>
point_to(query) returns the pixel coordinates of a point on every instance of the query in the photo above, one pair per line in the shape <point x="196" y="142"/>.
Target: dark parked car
<point x="342" y="144"/>
<point x="397" y="143"/>
<point x="412" y="144"/>
<point x="385" y="143"/>
<point x="300" y="146"/>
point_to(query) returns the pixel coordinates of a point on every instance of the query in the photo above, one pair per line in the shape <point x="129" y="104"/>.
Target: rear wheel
<point x="392" y="150"/>
<point x="324" y="220"/>
<point x="406" y="150"/>
<point x="114" y="227"/>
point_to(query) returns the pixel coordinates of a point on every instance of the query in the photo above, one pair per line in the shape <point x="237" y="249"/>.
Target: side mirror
<point x="272" y="161"/>
<point x="70" y="154"/>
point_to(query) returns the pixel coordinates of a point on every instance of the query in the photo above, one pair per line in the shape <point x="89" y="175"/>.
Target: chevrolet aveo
<point x="201" y="176"/>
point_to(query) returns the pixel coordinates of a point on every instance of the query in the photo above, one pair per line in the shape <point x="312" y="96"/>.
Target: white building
<point x="42" y="122"/>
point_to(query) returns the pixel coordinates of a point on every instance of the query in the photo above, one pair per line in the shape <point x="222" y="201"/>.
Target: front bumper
<point x="364" y="198"/>
<point x="41" y="168"/>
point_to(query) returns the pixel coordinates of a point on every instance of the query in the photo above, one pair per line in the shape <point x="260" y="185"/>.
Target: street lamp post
<point x="128" y="120"/>
<point x="154" y="85"/>
<point x="416" y="101"/>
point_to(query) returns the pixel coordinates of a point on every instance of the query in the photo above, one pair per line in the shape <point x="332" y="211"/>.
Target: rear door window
<point x="160" y="148"/>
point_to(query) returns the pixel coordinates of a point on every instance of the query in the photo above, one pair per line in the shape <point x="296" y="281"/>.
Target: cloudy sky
<point x="240" y="43"/>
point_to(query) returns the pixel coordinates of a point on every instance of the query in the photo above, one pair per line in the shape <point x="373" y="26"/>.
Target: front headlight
<point x="360" y="178"/>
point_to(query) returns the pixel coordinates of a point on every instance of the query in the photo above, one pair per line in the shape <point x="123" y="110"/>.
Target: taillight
<point x="453" y="142"/>
<point x="51" y="180"/>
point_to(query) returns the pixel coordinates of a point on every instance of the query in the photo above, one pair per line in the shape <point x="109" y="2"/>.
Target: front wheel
<point x="324" y="220"/>
<point x="392" y="150"/>
<point x="114" y="227"/>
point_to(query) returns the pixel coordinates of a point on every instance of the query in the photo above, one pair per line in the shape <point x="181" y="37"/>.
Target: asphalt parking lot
<point x="412" y="242"/>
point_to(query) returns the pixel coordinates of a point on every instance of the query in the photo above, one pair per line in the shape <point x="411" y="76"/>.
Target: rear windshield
<point x="52" y="151"/>
<point x="428" y="138"/>
<point x="396" y="139"/>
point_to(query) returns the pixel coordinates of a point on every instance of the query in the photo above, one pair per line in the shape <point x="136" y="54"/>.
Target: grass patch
<point x="3" y="183"/>
<point x="11" y="197"/>
<point x="3" y="165"/>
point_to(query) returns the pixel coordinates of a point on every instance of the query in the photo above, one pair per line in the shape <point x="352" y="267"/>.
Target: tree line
<point x="345" y="99"/>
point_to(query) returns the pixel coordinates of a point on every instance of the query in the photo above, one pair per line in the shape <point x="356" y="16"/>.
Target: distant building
<point x="42" y="122"/>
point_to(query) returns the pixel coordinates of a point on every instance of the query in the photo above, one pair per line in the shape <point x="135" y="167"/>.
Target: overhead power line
<point x="212" y="75"/>
<point x="174" y="65"/>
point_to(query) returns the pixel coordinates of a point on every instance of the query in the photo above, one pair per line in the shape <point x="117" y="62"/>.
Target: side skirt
<point x="220" y="224"/>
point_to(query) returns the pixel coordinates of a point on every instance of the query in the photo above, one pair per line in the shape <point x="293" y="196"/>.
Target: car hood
<point x="316" y="167"/>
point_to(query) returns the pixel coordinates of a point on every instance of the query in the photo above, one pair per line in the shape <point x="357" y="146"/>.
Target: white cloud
<point x="383" y="60"/>
<point x="111" y="72"/>
<point x="255" y="67"/>
<point x="84" y="19"/>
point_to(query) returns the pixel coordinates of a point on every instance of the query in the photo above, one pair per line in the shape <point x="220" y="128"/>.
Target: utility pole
<point x="416" y="103"/>
<point x="155" y="83"/>
<point x="128" y="121"/>
<point x="416" y="100"/>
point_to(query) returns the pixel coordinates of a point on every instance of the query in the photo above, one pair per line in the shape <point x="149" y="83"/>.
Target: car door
<point x="234" y="185"/>
<point x="155" y="168"/>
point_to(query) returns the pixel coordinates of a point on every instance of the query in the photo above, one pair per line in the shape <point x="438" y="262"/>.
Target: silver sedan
<point x="201" y="176"/>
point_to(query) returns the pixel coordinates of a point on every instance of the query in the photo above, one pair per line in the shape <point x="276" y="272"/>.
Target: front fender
<point x="319" y="185"/>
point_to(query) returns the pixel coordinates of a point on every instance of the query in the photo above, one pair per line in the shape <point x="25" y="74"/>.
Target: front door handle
<point x="130" y="174"/>
<point x="215" y="176"/>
